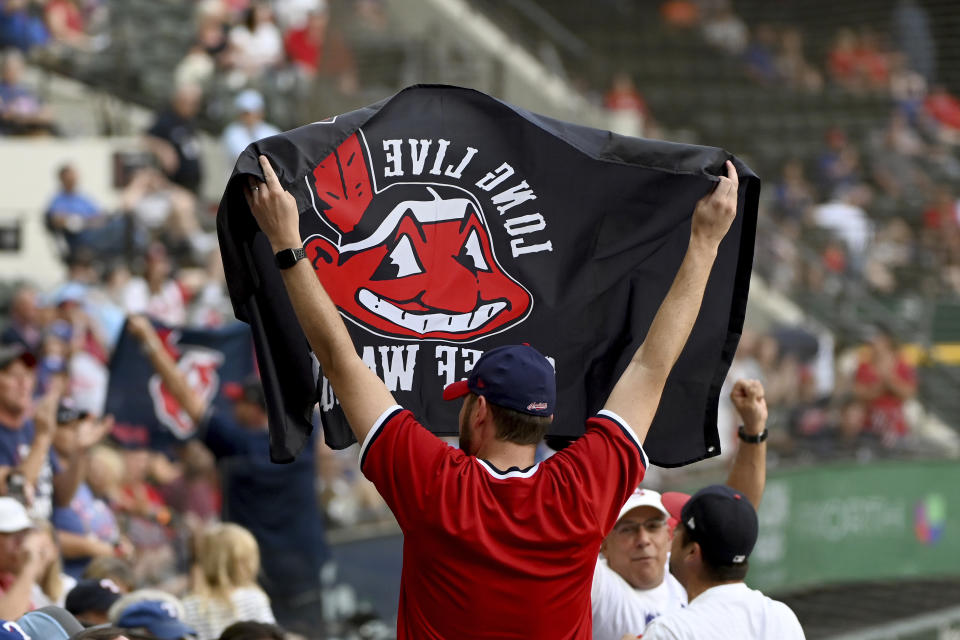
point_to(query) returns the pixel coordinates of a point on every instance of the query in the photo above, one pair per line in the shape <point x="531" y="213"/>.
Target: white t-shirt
<point x="210" y="616"/>
<point x="728" y="612"/>
<point x="619" y="609"/>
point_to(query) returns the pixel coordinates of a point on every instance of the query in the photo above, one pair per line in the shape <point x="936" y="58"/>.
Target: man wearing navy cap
<point x="494" y="544"/>
<point x="716" y="531"/>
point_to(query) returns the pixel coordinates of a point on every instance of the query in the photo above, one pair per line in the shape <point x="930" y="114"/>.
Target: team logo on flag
<point x="200" y="367"/>
<point x="413" y="260"/>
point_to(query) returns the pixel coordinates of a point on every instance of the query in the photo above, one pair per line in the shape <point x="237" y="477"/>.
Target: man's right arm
<point x="362" y="394"/>
<point x="636" y="395"/>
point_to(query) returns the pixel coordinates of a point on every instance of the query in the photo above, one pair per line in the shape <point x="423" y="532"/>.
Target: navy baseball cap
<point x="515" y="376"/>
<point x="720" y="519"/>
<point x="92" y="595"/>
<point x="157" y="618"/>
<point x="250" y="390"/>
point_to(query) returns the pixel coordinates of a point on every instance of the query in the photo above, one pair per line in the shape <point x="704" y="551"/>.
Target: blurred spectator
<point x="211" y="51"/>
<point x="842" y="59"/>
<point x="839" y="163"/>
<point x="319" y="51"/>
<point x="155" y="619"/>
<point x="884" y="380"/>
<point x="173" y="138"/>
<point x="195" y="493"/>
<point x="23" y="326"/>
<point x="627" y="108"/>
<point x="908" y="88"/>
<point x="21" y="26"/>
<point x="760" y="57"/>
<point x="792" y="64"/>
<point x="25" y="435"/>
<point x="871" y="61"/>
<point x="81" y="222"/>
<point x="915" y="38"/>
<point x="66" y="24"/>
<point x="257" y="40"/>
<point x="225" y="590"/>
<point x="157" y="294"/>
<point x="52" y="585"/>
<point x="252" y="631"/>
<point x="680" y="14"/>
<point x="943" y="213"/>
<point x="165" y="209"/>
<point x="292" y="14"/>
<point x="944" y="108"/>
<point x="117" y="570"/>
<point x="23" y="559"/>
<point x="142" y="507"/>
<point x="277" y="503"/>
<point x="87" y="526"/>
<point x="210" y="306"/>
<point x="794" y="194"/>
<point x="725" y="30"/>
<point x="90" y="600"/>
<point x="21" y="111"/>
<point x="845" y="216"/>
<point x="248" y="126"/>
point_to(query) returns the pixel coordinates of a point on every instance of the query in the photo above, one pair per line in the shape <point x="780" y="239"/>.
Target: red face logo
<point x="412" y="260"/>
<point x="200" y="367"/>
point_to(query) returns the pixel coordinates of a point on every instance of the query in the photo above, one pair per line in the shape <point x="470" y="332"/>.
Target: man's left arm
<point x="749" y="472"/>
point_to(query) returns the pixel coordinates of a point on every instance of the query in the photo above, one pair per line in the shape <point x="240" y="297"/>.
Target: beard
<point x="466" y="443"/>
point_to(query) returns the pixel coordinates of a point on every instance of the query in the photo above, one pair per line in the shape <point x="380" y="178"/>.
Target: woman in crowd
<point x="225" y="582"/>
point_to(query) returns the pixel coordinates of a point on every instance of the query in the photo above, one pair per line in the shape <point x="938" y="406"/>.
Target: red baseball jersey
<point x="491" y="553"/>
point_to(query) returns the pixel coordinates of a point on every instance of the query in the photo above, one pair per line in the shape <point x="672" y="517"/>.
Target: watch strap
<point x="751" y="438"/>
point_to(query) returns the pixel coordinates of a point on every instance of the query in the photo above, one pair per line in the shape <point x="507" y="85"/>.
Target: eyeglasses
<point x="630" y="529"/>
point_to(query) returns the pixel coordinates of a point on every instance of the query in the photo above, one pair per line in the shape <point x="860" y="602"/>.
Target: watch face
<point x="289" y="257"/>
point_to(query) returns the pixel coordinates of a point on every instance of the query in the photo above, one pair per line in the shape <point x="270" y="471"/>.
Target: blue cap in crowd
<point x="516" y="377"/>
<point x="158" y="618"/>
<point x="720" y="519"/>
<point x="48" y="623"/>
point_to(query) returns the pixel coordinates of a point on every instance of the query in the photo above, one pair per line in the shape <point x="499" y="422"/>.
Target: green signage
<point x="849" y="523"/>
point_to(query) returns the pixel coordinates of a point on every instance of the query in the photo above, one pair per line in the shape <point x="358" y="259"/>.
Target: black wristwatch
<point x="286" y="258"/>
<point x="752" y="439"/>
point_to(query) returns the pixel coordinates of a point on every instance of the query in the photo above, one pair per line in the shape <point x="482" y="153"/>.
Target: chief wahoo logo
<point x="412" y="260"/>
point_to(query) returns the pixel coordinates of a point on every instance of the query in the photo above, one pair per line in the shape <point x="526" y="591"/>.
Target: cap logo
<point x="537" y="406"/>
<point x="739" y="559"/>
<point x="690" y="523"/>
<point x="13" y="627"/>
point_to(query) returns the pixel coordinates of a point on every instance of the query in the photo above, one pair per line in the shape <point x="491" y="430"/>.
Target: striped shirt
<point x="209" y="616"/>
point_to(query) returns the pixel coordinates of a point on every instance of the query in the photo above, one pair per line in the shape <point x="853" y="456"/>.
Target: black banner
<point x="444" y="222"/>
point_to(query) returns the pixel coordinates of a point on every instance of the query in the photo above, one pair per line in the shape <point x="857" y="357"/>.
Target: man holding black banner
<point x="495" y="544"/>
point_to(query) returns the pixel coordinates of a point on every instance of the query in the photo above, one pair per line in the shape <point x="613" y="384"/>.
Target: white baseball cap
<point x="13" y="516"/>
<point x="643" y="498"/>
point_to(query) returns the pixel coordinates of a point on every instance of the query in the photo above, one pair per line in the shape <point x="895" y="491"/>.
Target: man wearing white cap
<point x="631" y="582"/>
<point x="22" y="559"/>
<point x="249" y="125"/>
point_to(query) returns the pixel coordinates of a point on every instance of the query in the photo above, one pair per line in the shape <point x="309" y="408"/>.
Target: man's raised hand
<point x="274" y="209"/>
<point x="747" y="396"/>
<point x="715" y="211"/>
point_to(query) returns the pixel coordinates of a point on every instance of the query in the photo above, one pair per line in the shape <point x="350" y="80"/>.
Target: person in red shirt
<point x="318" y="50"/>
<point x="884" y="381"/>
<point x="494" y="544"/>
